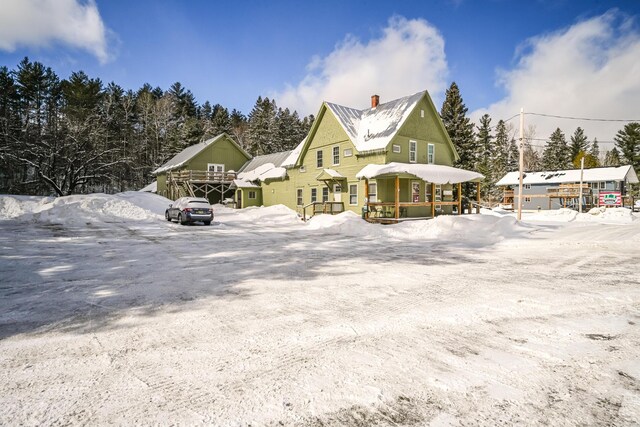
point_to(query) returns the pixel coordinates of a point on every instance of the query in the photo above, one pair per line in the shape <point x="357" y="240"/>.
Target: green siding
<point x="242" y="196"/>
<point x="223" y="151"/>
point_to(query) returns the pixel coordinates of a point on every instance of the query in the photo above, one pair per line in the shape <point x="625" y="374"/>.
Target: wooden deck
<point x="186" y="183"/>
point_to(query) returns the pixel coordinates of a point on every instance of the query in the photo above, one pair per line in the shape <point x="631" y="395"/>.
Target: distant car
<point x="188" y="210"/>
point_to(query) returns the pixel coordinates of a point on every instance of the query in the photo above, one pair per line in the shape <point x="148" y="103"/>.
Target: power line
<point x="581" y="118"/>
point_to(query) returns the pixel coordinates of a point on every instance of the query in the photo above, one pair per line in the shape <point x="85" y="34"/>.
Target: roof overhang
<point x="330" y="175"/>
<point x="437" y="174"/>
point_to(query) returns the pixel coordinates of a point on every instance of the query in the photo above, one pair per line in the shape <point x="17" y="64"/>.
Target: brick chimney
<point x="375" y="100"/>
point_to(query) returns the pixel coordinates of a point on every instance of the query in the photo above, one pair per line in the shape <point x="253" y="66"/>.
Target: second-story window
<point x="412" y="151"/>
<point x="431" y="153"/>
<point x="319" y="158"/>
<point x="336" y="156"/>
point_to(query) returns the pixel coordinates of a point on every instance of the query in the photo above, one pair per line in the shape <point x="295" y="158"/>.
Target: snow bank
<point x="80" y="209"/>
<point x="271" y="215"/>
<point x="602" y="215"/>
<point x="476" y="229"/>
<point x="16" y="206"/>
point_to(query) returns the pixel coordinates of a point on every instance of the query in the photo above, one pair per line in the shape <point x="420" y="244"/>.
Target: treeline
<point x="493" y="150"/>
<point x="79" y="135"/>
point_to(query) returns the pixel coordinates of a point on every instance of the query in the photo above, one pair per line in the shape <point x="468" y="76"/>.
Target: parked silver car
<point x="187" y="210"/>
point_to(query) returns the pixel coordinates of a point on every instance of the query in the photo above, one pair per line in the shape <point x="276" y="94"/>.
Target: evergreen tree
<point x="627" y="140"/>
<point x="261" y="127"/>
<point x="513" y="162"/>
<point x="595" y="150"/>
<point x="458" y="126"/>
<point x="556" y="153"/>
<point x="239" y="128"/>
<point x="484" y="157"/>
<point x="578" y="143"/>
<point x="612" y="158"/>
<point x="220" y="121"/>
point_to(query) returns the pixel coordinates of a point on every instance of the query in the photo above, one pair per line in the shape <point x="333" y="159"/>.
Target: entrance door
<point x="337" y="193"/>
<point x="239" y="197"/>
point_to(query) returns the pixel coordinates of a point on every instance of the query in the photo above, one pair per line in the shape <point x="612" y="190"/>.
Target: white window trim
<point x="299" y="196"/>
<point x="527" y="186"/>
<point x="411" y="190"/>
<point x="527" y="199"/>
<point x="333" y="155"/>
<point x="433" y="154"/>
<point x="602" y="185"/>
<point x="314" y="198"/>
<point x="348" y="152"/>
<point x="255" y="195"/>
<point x="321" y="159"/>
<point x="422" y="114"/>
<point x="396" y="148"/>
<point x="373" y="194"/>
<point x="356" y="198"/>
<point x="325" y="189"/>
<point x="413" y="151"/>
<point x="214" y="165"/>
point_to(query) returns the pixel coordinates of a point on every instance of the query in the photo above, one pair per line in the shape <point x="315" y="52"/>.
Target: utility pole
<point x="521" y="163"/>
<point x="581" y="176"/>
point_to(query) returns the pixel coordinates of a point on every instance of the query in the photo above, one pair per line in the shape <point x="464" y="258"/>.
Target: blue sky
<point x="302" y="53"/>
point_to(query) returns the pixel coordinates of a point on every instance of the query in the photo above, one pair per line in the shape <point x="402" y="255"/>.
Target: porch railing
<point x="322" y="208"/>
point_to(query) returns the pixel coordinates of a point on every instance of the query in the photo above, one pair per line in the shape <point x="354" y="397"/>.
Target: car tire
<point x="180" y="220"/>
<point x="207" y="223"/>
<point x="167" y="217"/>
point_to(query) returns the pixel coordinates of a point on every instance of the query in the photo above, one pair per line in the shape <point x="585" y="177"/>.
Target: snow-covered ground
<point x="109" y="314"/>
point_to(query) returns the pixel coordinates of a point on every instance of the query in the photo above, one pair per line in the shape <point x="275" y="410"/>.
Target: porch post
<point x="366" y="196"/>
<point x="397" y="197"/>
<point x="433" y="200"/>
<point x="478" y="197"/>
<point x="459" y="198"/>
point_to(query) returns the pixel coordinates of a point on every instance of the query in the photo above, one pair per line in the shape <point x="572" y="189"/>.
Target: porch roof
<point x="437" y="174"/>
<point x="329" y="174"/>
<point x="240" y="183"/>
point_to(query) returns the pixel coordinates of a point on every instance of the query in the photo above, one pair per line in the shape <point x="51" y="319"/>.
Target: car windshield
<point x="199" y="201"/>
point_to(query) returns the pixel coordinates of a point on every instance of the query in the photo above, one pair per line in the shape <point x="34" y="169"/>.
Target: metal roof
<point x="619" y="173"/>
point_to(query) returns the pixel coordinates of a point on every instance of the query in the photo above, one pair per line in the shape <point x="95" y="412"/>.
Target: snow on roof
<point x="291" y="160"/>
<point x="240" y="183"/>
<point x="188" y="153"/>
<point x="373" y="128"/>
<point x="151" y="188"/>
<point x="276" y="159"/>
<point x="331" y="173"/>
<point x="619" y="173"/>
<point x="437" y="174"/>
<point x="264" y="172"/>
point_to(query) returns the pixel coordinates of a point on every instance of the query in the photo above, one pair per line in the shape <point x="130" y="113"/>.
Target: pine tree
<point x="262" y="127"/>
<point x="578" y="143"/>
<point x="627" y="140"/>
<point x="220" y="121"/>
<point x="483" y="155"/>
<point x="595" y="150"/>
<point x="556" y="153"/>
<point x="459" y="127"/>
<point x="612" y="158"/>
<point x="589" y="160"/>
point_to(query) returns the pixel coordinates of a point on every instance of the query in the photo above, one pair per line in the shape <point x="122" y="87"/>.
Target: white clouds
<point x="408" y="57"/>
<point x="38" y="23"/>
<point x="591" y="69"/>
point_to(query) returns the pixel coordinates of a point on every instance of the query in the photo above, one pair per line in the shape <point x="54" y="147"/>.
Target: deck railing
<point x="201" y="176"/>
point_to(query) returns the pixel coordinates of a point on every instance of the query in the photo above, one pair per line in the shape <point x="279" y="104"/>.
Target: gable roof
<point x="190" y="152"/>
<point x="373" y="129"/>
<point x="619" y="173"/>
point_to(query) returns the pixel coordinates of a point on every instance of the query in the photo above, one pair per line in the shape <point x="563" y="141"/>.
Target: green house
<point x="206" y="169"/>
<point x="390" y="161"/>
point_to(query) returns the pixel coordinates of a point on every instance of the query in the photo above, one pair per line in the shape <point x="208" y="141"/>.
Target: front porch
<point x="400" y="192"/>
